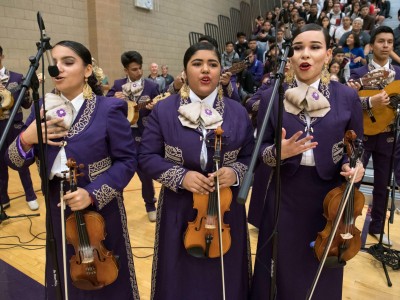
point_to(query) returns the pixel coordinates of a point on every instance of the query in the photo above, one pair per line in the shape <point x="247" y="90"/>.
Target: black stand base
<point x="386" y="255"/>
<point x="3" y="215"/>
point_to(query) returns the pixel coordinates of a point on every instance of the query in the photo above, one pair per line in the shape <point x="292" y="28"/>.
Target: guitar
<point x="7" y="98"/>
<point x="238" y="67"/>
<point x="378" y="118"/>
<point x="134" y="108"/>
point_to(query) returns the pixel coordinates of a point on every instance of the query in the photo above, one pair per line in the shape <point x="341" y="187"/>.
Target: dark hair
<point x="229" y="43"/>
<point x="1" y="50"/>
<point x="197" y="47"/>
<point x="364" y="5"/>
<point x="85" y="55"/>
<point x="380" y="29"/>
<point x="314" y="27"/>
<point x="209" y="39"/>
<point x="332" y="63"/>
<point x="130" y="57"/>
<point x="356" y="38"/>
<point x="337" y="50"/>
<point x="240" y="33"/>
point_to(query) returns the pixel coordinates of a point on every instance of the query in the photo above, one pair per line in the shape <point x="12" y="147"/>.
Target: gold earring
<point x="220" y="92"/>
<point x="325" y="75"/>
<point x="184" y="92"/>
<point x="289" y="76"/>
<point x="87" y="90"/>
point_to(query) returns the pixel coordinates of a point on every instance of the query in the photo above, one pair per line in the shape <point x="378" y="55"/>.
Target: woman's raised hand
<point x="54" y="131"/>
<point x="294" y="146"/>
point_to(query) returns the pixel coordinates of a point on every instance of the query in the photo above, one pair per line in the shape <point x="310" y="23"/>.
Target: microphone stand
<point x="31" y="77"/>
<point x="381" y="253"/>
<point x="244" y="190"/>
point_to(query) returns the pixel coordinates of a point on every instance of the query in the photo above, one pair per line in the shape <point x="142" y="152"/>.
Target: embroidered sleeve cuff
<point x="240" y="170"/>
<point x="269" y="156"/>
<point x="16" y="154"/>
<point x="366" y="103"/>
<point x="173" y="177"/>
<point x="255" y="106"/>
<point x="104" y="195"/>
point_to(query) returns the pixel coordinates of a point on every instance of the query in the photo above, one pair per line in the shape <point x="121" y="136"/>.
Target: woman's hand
<point x="78" y="200"/>
<point x="294" y="146"/>
<point x="54" y="131"/>
<point x="196" y="182"/>
<point x="226" y="176"/>
<point x="349" y="172"/>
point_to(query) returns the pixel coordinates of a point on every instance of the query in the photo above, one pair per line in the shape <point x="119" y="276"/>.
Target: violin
<point x="93" y="266"/>
<point x="340" y="240"/>
<point x="347" y="240"/>
<point x="202" y="235"/>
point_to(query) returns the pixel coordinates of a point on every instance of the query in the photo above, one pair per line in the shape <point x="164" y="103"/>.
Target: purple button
<point x="61" y="113"/>
<point x="208" y="112"/>
<point x="315" y="95"/>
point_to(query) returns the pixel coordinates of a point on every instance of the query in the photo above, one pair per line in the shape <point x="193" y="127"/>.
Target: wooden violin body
<point x="342" y="205"/>
<point x="344" y="246"/>
<point x="201" y="239"/>
<point x="93" y="266"/>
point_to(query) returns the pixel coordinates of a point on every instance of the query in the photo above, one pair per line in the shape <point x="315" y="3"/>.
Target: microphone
<point x="288" y="33"/>
<point x="286" y="20"/>
<point x="52" y="68"/>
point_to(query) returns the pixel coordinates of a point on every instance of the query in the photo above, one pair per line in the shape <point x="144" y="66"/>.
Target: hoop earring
<point x="87" y="90"/>
<point x="184" y="92"/>
<point x="325" y="75"/>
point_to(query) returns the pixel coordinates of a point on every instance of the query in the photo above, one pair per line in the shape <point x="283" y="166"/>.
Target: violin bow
<point x="217" y="154"/>
<point x="332" y="235"/>
<point x="64" y="246"/>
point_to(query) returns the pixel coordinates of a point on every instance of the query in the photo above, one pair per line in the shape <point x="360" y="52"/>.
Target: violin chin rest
<point x="87" y="285"/>
<point x="333" y="262"/>
<point x="197" y="252"/>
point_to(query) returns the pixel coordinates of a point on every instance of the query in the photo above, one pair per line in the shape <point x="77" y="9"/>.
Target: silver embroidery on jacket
<point x="97" y="168"/>
<point x="14" y="156"/>
<point x="172" y="177"/>
<point x="230" y="157"/>
<point x="269" y="156"/>
<point x="84" y="118"/>
<point x="105" y="195"/>
<point x="173" y="154"/>
<point x="337" y="152"/>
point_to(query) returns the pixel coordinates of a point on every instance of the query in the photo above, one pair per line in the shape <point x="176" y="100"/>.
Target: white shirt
<point x="59" y="164"/>
<point x="307" y="158"/>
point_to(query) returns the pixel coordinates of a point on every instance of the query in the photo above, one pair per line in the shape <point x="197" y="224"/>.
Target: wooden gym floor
<point x="364" y="276"/>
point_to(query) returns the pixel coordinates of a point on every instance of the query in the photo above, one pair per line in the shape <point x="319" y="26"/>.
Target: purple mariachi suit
<point x="150" y="91"/>
<point x="15" y="130"/>
<point x="100" y="139"/>
<point x="167" y="152"/>
<point x="380" y="147"/>
<point x="303" y="191"/>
